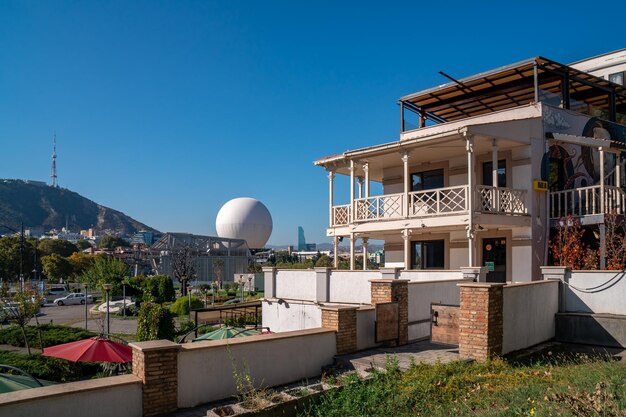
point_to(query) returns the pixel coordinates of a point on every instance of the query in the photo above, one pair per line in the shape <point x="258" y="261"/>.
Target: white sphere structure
<point x="245" y="218"/>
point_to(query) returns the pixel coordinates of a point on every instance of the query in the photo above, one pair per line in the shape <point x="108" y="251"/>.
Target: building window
<point x="427" y="180"/>
<point x="488" y="175"/>
<point x="427" y="254"/>
<point x="617" y="78"/>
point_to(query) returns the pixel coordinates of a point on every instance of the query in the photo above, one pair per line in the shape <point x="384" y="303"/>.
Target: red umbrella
<point x="96" y="349"/>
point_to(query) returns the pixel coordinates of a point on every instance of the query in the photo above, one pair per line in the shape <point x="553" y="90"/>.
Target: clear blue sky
<point x="166" y="110"/>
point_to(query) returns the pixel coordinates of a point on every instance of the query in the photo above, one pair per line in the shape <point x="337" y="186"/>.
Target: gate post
<point x="390" y="290"/>
<point x="480" y="320"/>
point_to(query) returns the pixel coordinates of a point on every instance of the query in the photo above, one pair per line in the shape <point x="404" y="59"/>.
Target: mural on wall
<point x="568" y="165"/>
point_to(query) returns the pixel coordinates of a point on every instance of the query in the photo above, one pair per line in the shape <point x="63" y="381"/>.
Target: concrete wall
<point x="529" y="311"/>
<point x="295" y="284"/>
<point x="365" y="328"/>
<point x="115" y="396"/>
<point x="205" y="369"/>
<point x="431" y="275"/>
<point x="595" y="292"/>
<point x="521" y="267"/>
<point x="351" y="287"/>
<point x="421" y="295"/>
<point x="291" y="315"/>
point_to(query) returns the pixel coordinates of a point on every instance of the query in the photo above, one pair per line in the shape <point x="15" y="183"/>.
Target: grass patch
<point x="50" y="335"/>
<point x="543" y="385"/>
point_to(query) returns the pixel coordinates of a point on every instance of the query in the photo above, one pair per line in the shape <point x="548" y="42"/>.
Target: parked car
<point x="74" y="298"/>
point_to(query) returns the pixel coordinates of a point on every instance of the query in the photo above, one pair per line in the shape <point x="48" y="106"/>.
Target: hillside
<point x="36" y="204"/>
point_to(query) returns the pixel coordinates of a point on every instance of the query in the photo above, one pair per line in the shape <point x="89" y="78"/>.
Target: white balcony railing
<point x="585" y="201"/>
<point x="430" y="203"/>
<point x="389" y="206"/>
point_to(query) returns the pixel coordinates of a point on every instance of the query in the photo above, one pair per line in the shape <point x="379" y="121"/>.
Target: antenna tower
<point x="53" y="173"/>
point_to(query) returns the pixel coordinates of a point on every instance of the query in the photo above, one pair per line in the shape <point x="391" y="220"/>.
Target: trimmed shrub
<point x="181" y="305"/>
<point x="155" y="322"/>
<point x="50" y="334"/>
<point x="52" y="369"/>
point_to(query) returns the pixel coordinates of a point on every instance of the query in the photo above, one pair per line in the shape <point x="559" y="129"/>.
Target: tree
<point x="182" y="267"/>
<point x="10" y="257"/>
<point x="614" y="242"/>
<point x="112" y="242"/>
<point x="106" y="270"/>
<point x="159" y="289"/>
<point x="22" y="307"/>
<point x="218" y="269"/>
<point x="82" y="244"/>
<point x="155" y="322"/>
<point x="81" y="262"/>
<point x="324" y="260"/>
<point x="567" y="247"/>
<point x="59" y="246"/>
<point x="56" y="267"/>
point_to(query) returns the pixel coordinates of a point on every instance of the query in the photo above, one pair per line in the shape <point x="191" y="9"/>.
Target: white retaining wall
<point x="291" y="315"/>
<point x="421" y="295"/>
<point x="528" y="314"/>
<point x="351" y="287"/>
<point x="295" y="284"/>
<point x="595" y="292"/>
<point x="205" y="369"/>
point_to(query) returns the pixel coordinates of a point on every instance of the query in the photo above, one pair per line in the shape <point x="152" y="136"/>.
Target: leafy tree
<point x="615" y="250"/>
<point x="10" y="257"/>
<point x="324" y="260"/>
<point x="23" y="306"/>
<point x="56" y="267"/>
<point x="81" y="262"/>
<point x="106" y="270"/>
<point x="58" y="246"/>
<point x="218" y="270"/>
<point x="182" y="267"/>
<point x="155" y="322"/>
<point x="112" y="242"/>
<point x="159" y="289"/>
<point x="567" y="247"/>
<point x="181" y="305"/>
<point x="82" y="244"/>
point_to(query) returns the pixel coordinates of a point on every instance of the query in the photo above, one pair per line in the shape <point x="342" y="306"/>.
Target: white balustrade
<point x="501" y="200"/>
<point x="585" y="201"/>
<point x="388" y="206"/>
<point x="341" y="215"/>
<point x="438" y="201"/>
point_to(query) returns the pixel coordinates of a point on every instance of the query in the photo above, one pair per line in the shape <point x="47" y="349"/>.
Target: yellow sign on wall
<point x="539" y="185"/>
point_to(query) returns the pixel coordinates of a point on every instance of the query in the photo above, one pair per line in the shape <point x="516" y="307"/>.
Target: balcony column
<point x="331" y="193"/>
<point x="494" y="175"/>
<point x="602" y="195"/>
<point x="618" y="171"/>
<point x="471" y="183"/>
<point x="407" y="184"/>
<point x="336" y="251"/>
<point x="360" y="184"/>
<point x="352" y="256"/>
<point x="406" y="236"/>
<point x="352" y="216"/>
<point x="364" y="240"/>
<point x="366" y="170"/>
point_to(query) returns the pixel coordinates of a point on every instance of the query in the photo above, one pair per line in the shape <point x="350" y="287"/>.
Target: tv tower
<point x="53" y="173"/>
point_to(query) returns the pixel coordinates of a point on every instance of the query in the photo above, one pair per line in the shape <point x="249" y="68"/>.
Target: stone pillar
<point x="156" y="364"/>
<point x="480" y="320"/>
<point x="270" y="281"/>
<point x="406" y="238"/>
<point x="364" y="240"/>
<point x="558" y="273"/>
<point x="390" y="290"/>
<point x="407" y="184"/>
<point x="331" y="199"/>
<point x="352" y="207"/>
<point x="336" y="252"/>
<point x="475" y="273"/>
<point x="352" y="254"/>
<point x="322" y="278"/>
<point x="341" y="319"/>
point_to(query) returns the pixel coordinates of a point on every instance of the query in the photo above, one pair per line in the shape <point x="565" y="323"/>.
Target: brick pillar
<point x="389" y="290"/>
<point x="156" y="363"/>
<point x="480" y="320"/>
<point x="341" y="319"/>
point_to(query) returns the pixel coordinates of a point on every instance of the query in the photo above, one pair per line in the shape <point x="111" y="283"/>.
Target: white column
<point x="360" y="184"/>
<point x="618" y="170"/>
<point x="406" y="236"/>
<point x="494" y="163"/>
<point x="352" y="216"/>
<point x="366" y="169"/>
<point x="471" y="180"/>
<point x="602" y="195"/>
<point x="331" y="177"/>
<point x="336" y="251"/>
<point x="352" y="251"/>
<point x="364" y="240"/>
<point x="407" y="183"/>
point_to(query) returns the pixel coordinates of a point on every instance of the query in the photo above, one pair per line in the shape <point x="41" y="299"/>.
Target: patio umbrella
<point x="227" y="332"/>
<point x="10" y="383"/>
<point x="95" y="349"/>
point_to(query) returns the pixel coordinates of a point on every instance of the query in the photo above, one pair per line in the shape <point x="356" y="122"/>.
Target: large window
<point x="488" y="174"/>
<point x="427" y="254"/>
<point x="427" y="180"/>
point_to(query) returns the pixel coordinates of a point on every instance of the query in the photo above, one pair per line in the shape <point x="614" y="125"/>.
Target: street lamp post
<point x="124" y="299"/>
<point x="107" y="289"/>
<point x="242" y="285"/>
<point x="86" y="308"/>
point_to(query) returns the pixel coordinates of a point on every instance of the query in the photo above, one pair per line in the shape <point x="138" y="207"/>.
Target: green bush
<point x="52" y="369"/>
<point x="181" y="305"/>
<point x="50" y="334"/>
<point x="159" y="289"/>
<point x="155" y="322"/>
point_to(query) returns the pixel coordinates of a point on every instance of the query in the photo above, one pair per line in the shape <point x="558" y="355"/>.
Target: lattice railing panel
<point x="341" y="215"/>
<point x="438" y="201"/>
<point x="380" y="207"/>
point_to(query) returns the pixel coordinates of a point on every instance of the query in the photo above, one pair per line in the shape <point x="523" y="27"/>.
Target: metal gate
<point x="444" y="324"/>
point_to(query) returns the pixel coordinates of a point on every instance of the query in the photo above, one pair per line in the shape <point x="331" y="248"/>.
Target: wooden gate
<point x="444" y="325"/>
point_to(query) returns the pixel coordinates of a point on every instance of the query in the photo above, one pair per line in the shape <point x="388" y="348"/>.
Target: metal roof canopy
<point x="510" y="86"/>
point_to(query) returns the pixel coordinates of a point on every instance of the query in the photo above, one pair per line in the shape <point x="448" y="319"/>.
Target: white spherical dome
<point x="245" y="218"/>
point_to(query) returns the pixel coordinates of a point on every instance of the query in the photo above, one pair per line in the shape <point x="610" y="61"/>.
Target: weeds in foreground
<point x="251" y="397"/>
<point x="548" y="384"/>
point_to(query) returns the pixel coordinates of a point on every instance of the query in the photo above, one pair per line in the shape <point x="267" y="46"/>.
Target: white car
<point x="74" y="298"/>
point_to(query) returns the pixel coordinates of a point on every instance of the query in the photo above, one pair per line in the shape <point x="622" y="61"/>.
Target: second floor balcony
<point x="430" y="203"/>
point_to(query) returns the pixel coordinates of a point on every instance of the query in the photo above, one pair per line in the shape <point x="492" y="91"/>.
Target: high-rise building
<point x="301" y="239"/>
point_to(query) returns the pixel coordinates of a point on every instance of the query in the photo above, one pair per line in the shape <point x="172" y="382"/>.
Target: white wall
<point x="205" y="369"/>
<point x="103" y="397"/>
<point x="421" y="295"/>
<point x="595" y="292"/>
<point x="291" y="315"/>
<point x="521" y="267"/>
<point x="295" y="284"/>
<point x="434" y="275"/>
<point x="528" y="314"/>
<point x="365" y="328"/>
<point x="352" y="287"/>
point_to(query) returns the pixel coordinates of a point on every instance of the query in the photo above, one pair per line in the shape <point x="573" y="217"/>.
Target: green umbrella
<point x="227" y="332"/>
<point x="10" y="383"/>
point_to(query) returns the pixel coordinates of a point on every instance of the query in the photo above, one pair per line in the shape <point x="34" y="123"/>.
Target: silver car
<point x="74" y="298"/>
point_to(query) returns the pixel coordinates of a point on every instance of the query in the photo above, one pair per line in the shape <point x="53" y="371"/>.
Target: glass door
<point x="494" y="258"/>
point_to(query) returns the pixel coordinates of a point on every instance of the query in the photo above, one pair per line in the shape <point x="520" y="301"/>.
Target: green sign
<point x="490" y="266"/>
